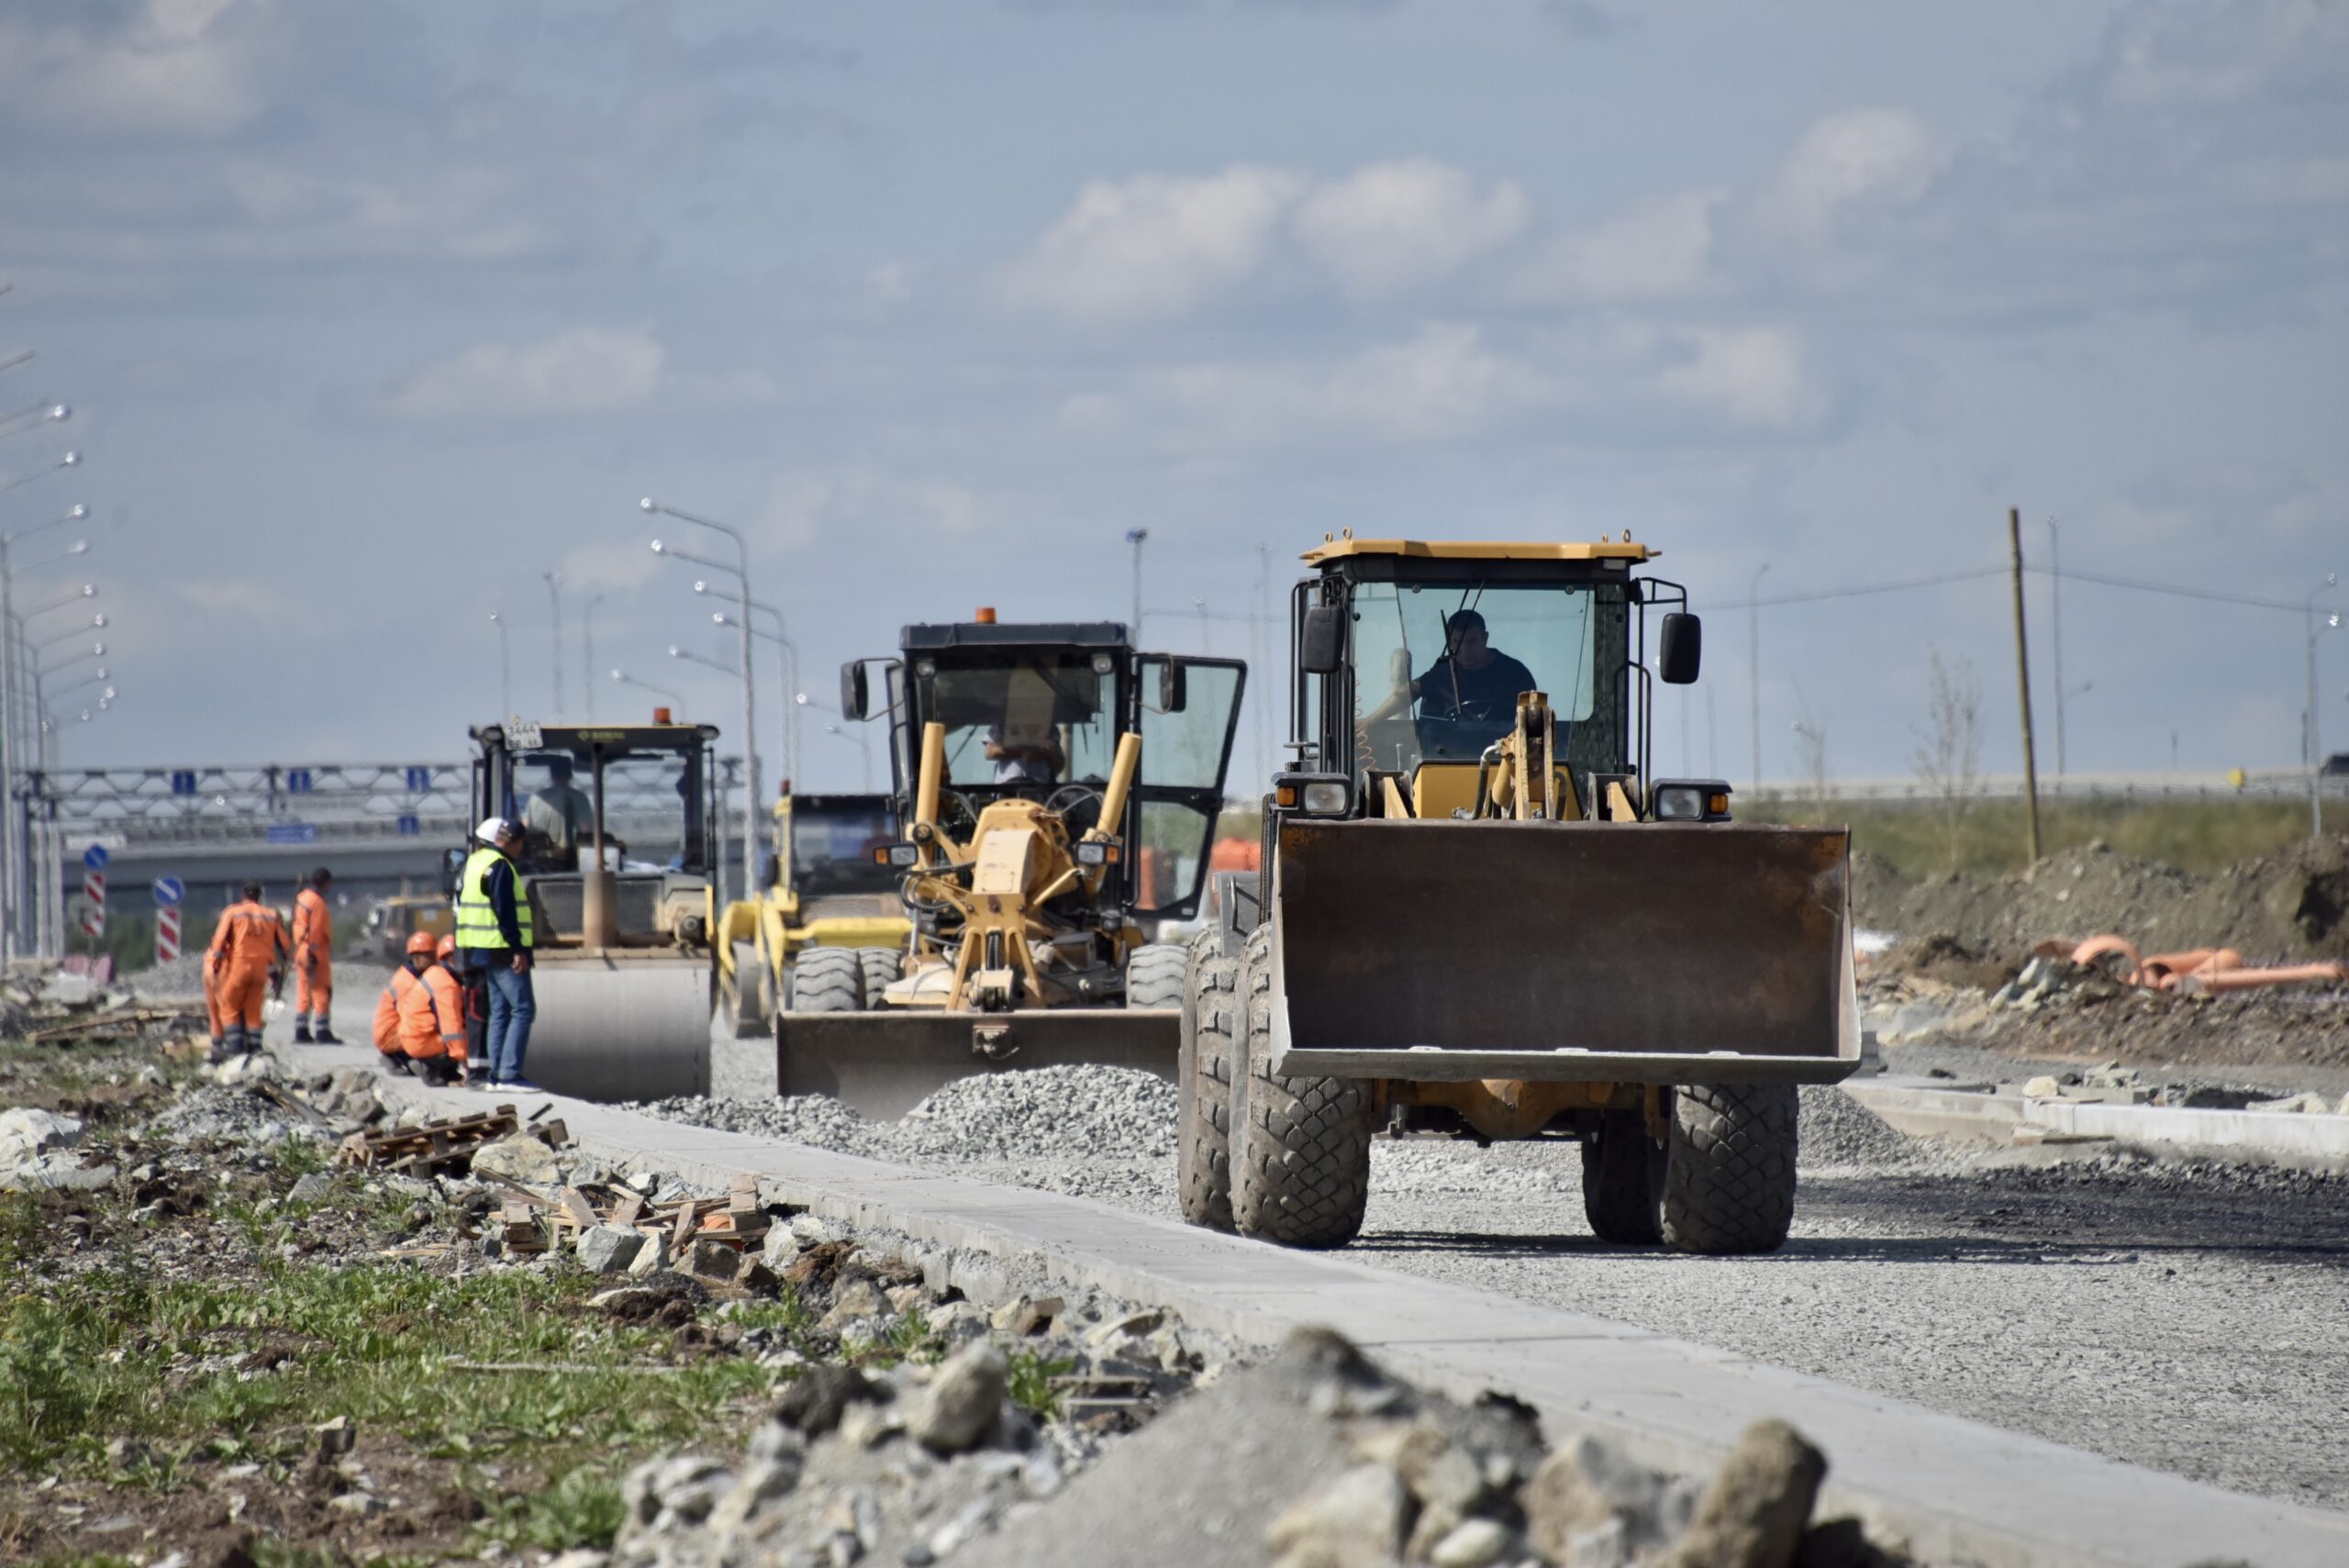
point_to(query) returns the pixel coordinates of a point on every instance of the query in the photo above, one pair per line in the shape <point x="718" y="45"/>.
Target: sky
<point x="371" y="317"/>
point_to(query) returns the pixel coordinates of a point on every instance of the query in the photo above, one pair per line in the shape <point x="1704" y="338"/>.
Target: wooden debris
<point x="431" y="1148"/>
<point x="120" y="1023"/>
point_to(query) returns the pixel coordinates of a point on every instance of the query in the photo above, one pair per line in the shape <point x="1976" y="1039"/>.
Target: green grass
<point x="2199" y="835"/>
<point x="117" y="1355"/>
<point x="1031" y="1381"/>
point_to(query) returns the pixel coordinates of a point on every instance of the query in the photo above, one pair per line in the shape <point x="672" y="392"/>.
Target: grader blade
<point x="884" y="1063"/>
<point x="1564" y="951"/>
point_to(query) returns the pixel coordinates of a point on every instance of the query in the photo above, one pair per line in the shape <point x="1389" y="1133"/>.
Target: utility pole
<point x="2309" y="732"/>
<point x="587" y="641"/>
<point x="1754" y="664"/>
<point x="2023" y="681"/>
<point x="554" y="597"/>
<point x="1134" y="536"/>
<point x="2056" y="585"/>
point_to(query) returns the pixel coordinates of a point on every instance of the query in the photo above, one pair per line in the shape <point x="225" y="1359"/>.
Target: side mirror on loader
<point x="1322" y="641"/>
<point x="1680" y="650"/>
<point x="857" y="696"/>
<point x="1174" y="687"/>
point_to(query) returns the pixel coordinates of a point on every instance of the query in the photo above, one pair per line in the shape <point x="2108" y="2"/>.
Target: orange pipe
<point x="2095" y="948"/>
<point x="2220" y="982"/>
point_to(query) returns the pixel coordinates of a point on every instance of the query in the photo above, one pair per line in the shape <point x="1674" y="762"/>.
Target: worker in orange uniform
<point x="246" y="959"/>
<point x="314" y="960"/>
<point x="432" y="1017"/>
<point x="405" y="979"/>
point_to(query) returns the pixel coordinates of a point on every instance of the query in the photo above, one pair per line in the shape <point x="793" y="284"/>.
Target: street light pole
<point x="1134" y="536"/>
<point x="2055" y="587"/>
<point x="588" y="640"/>
<point x="750" y="693"/>
<point x="9" y="870"/>
<point x="2316" y="753"/>
<point x="505" y="668"/>
<point x="1754" y="664"/>
<point x="555" y="598"/>
<point x="787" y="765"/>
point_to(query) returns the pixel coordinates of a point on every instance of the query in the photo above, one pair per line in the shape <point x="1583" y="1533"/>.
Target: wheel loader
<point x="822" y="889"/>
<point x="1057" y="789"/>
<point x="1481" y="914"/>
<point x="618" y="848"/>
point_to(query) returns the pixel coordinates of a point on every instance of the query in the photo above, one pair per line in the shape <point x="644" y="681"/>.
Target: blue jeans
<point x="512" y="1005"/>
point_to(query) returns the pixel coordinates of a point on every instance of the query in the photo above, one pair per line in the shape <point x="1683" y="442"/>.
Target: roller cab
<point x="1057" y="791"/>
<point x="1481" y="913"/>
<point x="618" y="848"/>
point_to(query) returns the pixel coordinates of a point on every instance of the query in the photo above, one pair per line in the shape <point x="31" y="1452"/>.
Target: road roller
<point x="1058" y="791"/>
<point x="619" y="855"/>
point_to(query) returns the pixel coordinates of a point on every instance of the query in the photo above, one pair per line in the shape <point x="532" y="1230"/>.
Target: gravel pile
<point x="1836" y="1132"/>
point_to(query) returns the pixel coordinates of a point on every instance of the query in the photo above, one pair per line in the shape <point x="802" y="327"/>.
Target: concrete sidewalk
<point x="1926" y="1107"/>
<point x="1956" y="1490"/>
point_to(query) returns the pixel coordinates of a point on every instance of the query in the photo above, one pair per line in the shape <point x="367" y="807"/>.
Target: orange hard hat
<point x="421" y="942"/>
<point x="447" y="946"/>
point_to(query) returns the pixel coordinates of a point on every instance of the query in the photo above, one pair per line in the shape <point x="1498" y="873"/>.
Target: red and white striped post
<point x="167" y="934"/>
<point x="93" y="910"/>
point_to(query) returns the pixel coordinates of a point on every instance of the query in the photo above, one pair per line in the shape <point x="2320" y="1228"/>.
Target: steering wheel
<point x="1069" y="802"/>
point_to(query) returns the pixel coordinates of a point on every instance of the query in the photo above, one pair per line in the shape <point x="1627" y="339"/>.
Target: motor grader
<point x="1057" y="790"/>
<point x="1481" y="914"/>
<point x="821" y="888"/>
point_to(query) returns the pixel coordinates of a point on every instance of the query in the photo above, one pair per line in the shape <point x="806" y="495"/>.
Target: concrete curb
<point x="1955" y="1490"/>
<point x="1925" y="1109"/>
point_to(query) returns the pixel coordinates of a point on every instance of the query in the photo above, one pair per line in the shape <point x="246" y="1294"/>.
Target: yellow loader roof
<point x="1333" y="547"/>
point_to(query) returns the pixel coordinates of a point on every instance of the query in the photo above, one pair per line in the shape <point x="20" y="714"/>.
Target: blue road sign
<point x="293" y="833"/>
<point x="183" y="781"/>
<point x="419" y="780"/>
<point x="94" y="857"/>
<point x="298" y="781"/>
<point x="168" y="891"/>
<point x="411" y="826"/>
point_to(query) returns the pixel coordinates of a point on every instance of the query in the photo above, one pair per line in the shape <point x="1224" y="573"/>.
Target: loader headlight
<point x="1313" y="797"/>
<point x="1690" y="800"/>
<point x="896" y="854"/>
<point x="1096" y="852"/>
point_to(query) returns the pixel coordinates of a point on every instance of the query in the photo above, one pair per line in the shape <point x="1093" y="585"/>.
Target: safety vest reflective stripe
<point x="476" y="918"/>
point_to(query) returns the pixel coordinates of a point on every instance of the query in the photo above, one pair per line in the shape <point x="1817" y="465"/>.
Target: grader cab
<point x="1481" y="912"/>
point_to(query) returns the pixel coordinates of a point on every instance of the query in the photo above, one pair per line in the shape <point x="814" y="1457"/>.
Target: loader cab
<point x="1034" y="711"/>
<point x="642" y="795"/>
<point x="828" y="844"/>
<point x="1408" y="658"/>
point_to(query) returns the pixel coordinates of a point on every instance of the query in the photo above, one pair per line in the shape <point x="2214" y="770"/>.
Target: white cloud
<point x="1154" y="244"/>
<point x="1443" y="382"/>
<point x="801" y="508"/>
<point x="1391" y="227"/>
<point x="1658" y="250"/>
<point x="1845" y="160"/>
<point x="587" y="370"/>
<point x="187" y="67"/>
<point x="1755" y="375"/>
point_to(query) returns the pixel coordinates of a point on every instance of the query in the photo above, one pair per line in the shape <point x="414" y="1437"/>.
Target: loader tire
<point x="1300" y="1146"/>
<point x="1155" y="975"/>
<point x="1203" y="1085"/>
<point x="880" y="968"/>
<point x="1729" y="1181"/>
<point x="828" y="980"/>
<point x="1622" y="1179"/>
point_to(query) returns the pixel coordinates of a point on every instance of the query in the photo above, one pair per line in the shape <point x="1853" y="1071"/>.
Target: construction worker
<point x="494" y="938"/>
<point x="405" y="979"/>
<point x="212" y="1010"/>
<point x="248" y="954"/>
<point x="432" y="1014"/>
<point x="447" y="966"/>
<point x="314" y="960"/>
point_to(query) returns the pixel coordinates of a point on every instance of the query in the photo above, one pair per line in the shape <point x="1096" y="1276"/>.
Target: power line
<point x="2173" y="589"/>
<point x="1863" y="589"/>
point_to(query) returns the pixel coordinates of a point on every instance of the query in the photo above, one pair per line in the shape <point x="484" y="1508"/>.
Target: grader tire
<point x="828" y="980"/>
<point x="880" y="968"/>
<point x="1300" y="1146"/>
<point x="1203" y="1085"/>
<point x="1156" y="974"/>
<point x="1622" y="1171"/>
<point x="1729" y="1181"/>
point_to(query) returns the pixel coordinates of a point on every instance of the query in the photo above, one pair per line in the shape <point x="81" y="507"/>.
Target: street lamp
<point x="33" y="416"/>
<point x="750" y="694"/>
<point x="1753" y="663"/>
<point x="789" y="762"/>
<point x="8" y="679"/>
<point x="2316" y="753"/>
<point x="676" y="703"/>
<point x="71" y="459"/>
<point x="505" y="668"/>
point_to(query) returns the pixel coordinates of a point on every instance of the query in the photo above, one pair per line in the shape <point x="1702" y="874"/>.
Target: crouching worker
<point x="392" y="1004"/>
<point x="432" y="1014"/>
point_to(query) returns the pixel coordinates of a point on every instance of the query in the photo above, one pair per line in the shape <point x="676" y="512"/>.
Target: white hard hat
<point x="492" y="828"/>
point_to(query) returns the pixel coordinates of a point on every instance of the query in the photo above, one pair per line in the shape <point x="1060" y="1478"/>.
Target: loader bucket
<point x="1564" y="951"/>
<point x="621" y="1024"/>
<point x="884" y="1063"/>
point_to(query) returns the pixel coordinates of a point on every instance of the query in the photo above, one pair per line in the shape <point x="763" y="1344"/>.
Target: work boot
<point x="220" y="1053"/>
<point x="398" y="1064"/>
<point x="327" y="1036"/>
<point x="301" y="1034"/>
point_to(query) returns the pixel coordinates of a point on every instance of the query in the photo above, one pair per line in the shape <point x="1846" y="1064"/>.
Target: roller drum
<point x="621" y="1028"/>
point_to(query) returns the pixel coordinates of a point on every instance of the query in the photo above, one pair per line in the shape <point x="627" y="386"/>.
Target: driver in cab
<point x="1473" y="680"/>
<point x="560" y="814"/>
